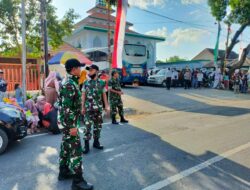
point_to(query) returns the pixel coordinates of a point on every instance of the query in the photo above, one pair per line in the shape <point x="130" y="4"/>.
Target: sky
<point x="186" y="40"/>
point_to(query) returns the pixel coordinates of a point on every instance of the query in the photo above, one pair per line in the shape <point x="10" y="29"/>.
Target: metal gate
<point x="13" y="75"/>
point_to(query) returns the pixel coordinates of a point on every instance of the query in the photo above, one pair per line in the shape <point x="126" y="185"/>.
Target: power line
<point x="198" y="26"/>
<point x="172" y="19"/>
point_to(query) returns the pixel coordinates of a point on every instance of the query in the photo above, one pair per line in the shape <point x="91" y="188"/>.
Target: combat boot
<point x="86" y="147"/>
<point x="114" y="122"/>
<point x="123" y="120"/>
<point x="97" y="144"/>
<point x="64" y="174"/>
<point x="79" y="183"/>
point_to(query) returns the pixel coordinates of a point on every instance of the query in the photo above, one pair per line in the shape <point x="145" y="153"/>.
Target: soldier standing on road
<point x="3" y="86"/>
<point x="69" y="114"/>
<point x="93" y="92"/>
<point x="115" y="98"/>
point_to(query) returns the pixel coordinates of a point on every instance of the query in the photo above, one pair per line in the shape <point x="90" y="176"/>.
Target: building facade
<point x="92" y="32"/>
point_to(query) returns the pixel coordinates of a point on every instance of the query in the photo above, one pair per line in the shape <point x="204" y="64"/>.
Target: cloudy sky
<point x="195" y="31"/>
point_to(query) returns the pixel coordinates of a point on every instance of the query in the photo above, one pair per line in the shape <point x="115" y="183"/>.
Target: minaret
<point x="101" y="3"/>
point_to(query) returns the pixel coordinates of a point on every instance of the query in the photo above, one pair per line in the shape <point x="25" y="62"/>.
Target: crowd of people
<point x="239" y="81"/>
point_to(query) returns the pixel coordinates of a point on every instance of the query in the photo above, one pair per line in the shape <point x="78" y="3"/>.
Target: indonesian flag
<point x="120" y="30"/>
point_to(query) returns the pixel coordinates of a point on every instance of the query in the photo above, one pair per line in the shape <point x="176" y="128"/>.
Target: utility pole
<point x="109" y="38"/>
<point x="23" y="50"/>
<point x="44" y="37"/>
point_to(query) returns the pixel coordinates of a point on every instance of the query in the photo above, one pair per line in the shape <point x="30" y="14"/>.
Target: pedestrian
<point x="200" y="77"/>
<point x="3" y="86"/>
<point x="226" y="79"/>
<point x="19" y="95"/>
<point x="175" y="78"/>
<point x="244" y="80"/>
<point x="237" y="81"/>
<point x="105" y="78"/>
<point x="115" y="98"/>
<point x="217" y="79"/>
<point x="52" y="85"/>
<point x="93" y="92"/>
<point x="69" y="102"/>
<point x="194" y="79"/>
<point x="187" y="79"/>
<point x="168" y="78"/>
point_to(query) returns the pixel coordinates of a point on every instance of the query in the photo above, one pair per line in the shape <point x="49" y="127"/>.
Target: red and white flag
<point x="120" y="30"/>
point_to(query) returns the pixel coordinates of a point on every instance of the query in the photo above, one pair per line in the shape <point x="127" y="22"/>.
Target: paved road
<point x="202" y="143"/>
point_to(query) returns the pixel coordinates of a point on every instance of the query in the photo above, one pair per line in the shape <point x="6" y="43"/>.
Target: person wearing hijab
<point x="52" y="85"/>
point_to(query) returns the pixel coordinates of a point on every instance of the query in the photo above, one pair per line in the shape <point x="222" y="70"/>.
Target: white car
<point x="158" y="79"/>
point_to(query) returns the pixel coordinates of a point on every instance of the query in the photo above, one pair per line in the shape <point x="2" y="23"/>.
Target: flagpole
<point x="216" y="49"/>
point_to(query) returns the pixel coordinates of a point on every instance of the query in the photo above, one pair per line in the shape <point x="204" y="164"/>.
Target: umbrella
<point x="62" y="57"/>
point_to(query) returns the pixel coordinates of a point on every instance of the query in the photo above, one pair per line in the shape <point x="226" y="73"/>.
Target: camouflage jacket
<point x="115" y="85"/>
<point x="69" y="102"/>
<point x="93" y="90"/>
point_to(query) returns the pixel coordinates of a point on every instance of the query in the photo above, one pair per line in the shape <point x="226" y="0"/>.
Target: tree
<point x="240" y="11"/>
<point x="175" y="59"/>
<point x="10" y="24"/>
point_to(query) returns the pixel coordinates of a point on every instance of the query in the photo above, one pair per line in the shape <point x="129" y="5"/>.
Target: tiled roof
<point x="64" y="47"/>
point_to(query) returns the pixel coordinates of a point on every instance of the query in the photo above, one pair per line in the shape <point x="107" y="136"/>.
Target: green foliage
<point x="175" y="59"/>
<point x="240" y="11"/>
<point x="218" y="8"/>
<point x="10" y="24"/>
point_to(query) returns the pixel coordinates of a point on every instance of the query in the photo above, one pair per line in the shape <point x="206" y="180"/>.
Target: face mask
<point x="92" y="76"/>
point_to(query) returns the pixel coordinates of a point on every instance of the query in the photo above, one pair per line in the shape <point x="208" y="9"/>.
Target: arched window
<point x="97" y="42"/>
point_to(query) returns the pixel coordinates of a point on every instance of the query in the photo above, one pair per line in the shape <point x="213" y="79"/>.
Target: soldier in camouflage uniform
<point x="93" y="92"/>
<point x="69" y="102"/>
<point x="115" y="98"/>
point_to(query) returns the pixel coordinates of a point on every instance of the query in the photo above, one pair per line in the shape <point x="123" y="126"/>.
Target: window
<point x="135" y="50"/>
<point x="97" y="42"/>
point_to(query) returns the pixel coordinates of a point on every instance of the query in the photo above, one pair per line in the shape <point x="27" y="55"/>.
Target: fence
<point x="13" y="75"/>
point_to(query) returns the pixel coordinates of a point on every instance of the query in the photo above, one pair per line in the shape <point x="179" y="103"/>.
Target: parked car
<point x="158" y="79"/>
<point x="13" y="125"/>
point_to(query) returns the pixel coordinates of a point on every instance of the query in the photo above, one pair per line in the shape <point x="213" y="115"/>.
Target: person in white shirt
<point x="168" y="78"/>
<point x="175" y="77"/>
<point x="200" y="77"/>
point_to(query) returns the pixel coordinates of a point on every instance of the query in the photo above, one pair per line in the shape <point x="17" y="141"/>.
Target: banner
<point x="120" y="31"/>
<point x="216" y="49"/>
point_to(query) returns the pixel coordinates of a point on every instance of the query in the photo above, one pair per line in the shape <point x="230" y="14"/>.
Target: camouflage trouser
<point x="71" y="153"/>
<point x="92" y="120"/>
<point x="116" y="103"/>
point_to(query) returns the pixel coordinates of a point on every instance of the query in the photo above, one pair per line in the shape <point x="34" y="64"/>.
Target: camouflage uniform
<point x="69" y="114"/>
<point x="115" y="99"/>
<point x="93" y="90"/>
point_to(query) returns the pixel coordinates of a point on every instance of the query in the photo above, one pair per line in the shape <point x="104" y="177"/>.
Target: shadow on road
<point x="133" y="159"/>
<point x="176" y="100"/>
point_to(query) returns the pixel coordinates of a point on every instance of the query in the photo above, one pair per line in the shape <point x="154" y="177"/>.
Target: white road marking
<point x="109" y="150"/>
<point x="116" y="156"/>
<point x="108" y="123"/>
<point x="38" y="135"/>
<point x="168" y="181"/>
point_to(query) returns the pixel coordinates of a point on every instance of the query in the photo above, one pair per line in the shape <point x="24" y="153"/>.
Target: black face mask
<point x="92" y="76"/>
